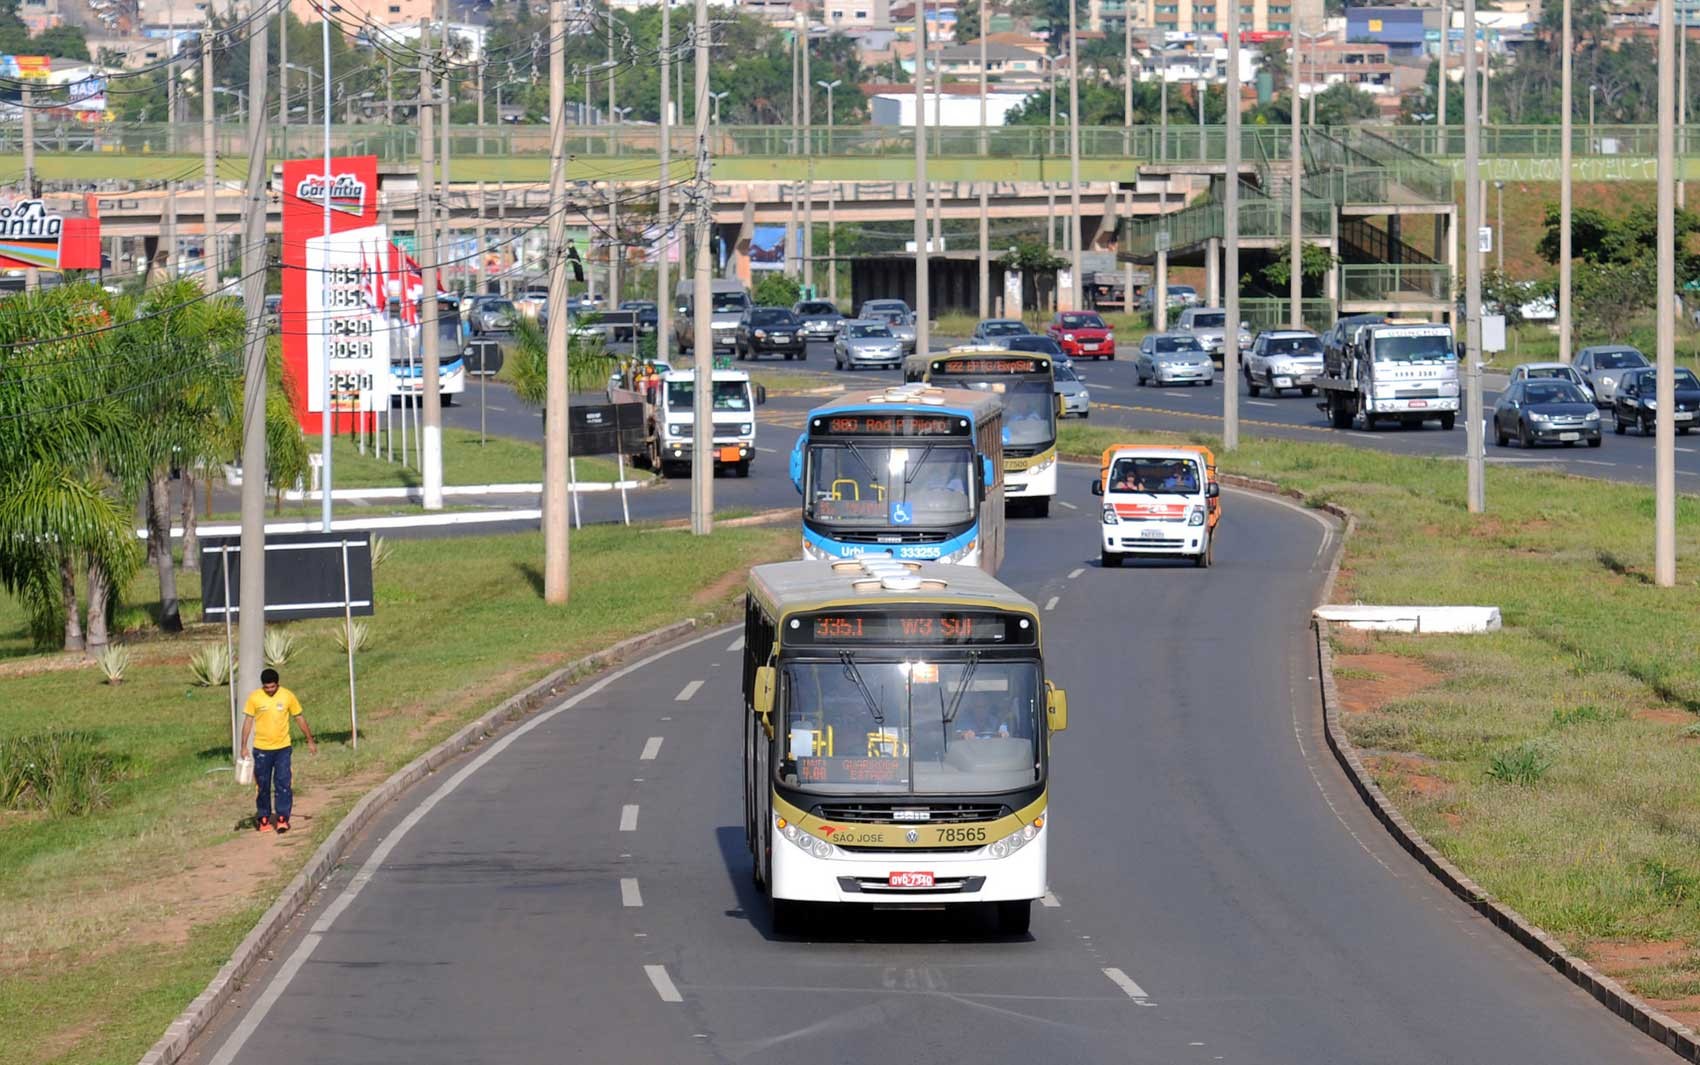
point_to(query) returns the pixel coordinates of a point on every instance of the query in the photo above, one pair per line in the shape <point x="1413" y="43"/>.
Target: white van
<point x="1157" y="501"/>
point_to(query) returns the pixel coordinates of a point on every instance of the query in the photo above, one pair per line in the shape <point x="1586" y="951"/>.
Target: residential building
<point x="1210" y="16"/>
<point x="1367" y="67"/>
<point x="39" y="15"/>
<point x="1401" y="30"/>
<point x="857" y="14"/>
<point x="1003" y="62"/>
<point x="384" y="12"/>
<point x="958" y="106"/>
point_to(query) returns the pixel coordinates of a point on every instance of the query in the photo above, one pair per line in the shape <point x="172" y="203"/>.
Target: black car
<point x="1636" y="401"/>
<point x="1545" y="411"/>
<point x="770" y="331"/>
<point x="821" y="320"/>
<point x="1033" y="342"/>
<point x="648" y="318"/>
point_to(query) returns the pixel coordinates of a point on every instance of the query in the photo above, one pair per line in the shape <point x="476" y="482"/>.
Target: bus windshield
<point x="1030" y="413"/>
<point x="728" y="395"/>
<point x="957" y="726"/>
<point x="889" y="484"/>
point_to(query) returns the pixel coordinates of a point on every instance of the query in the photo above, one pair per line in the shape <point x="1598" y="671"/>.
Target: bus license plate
<point x="910" y="880"/>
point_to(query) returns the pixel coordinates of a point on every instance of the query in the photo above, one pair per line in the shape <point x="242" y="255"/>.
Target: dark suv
<point x="1634" y="406"/>
<point x="770" y="331"/>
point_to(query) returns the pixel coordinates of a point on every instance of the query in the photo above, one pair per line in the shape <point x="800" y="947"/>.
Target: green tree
<point x="1314" y="263"/>
<point x="776" y="289"/>
<point x="1038" y="265"/>
<point x="1610" y="295"/>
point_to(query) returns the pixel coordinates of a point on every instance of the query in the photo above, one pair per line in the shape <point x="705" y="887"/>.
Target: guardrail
<point x="1147" y="144"/>
<point x="1376" y="282"/>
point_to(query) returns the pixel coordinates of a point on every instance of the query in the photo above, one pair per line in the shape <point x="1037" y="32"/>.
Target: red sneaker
<point x="263" y="824"/>
<point x="282" y="825"/>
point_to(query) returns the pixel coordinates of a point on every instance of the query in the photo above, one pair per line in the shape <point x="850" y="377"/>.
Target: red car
<point x="1082" y="334"/>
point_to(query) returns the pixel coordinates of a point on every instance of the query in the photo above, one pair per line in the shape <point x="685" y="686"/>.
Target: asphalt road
<point x="579" y="890"/>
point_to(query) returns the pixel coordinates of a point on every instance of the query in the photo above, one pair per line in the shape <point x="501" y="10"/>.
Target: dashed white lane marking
<point x="630" y="896"/>
<point x="1049" y="900"/>
<point x="1051" y="603"/>
<point x="1260" y="403"/>
<point x="1176" y="395"/>
<point x="1686" y="450"/>
<point x="687" y="691"/>
<point x="651" y="748"/>
<point x="1594" y="462"/>
<point x="628" y="817"/>
<point x="663" y="983"/>
<point x="736" y="645"/>
<point x="767" y="450"/>
<point x="1125" y="982"/>
<point x="1077" y="571"/>
<point x="1071" y="506"/>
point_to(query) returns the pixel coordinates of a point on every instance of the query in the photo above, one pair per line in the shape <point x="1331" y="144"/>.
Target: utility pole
<point x="1160" y="298"/>
<point x="481" y="107"/>
<point x="923" y="303"/>
<point x="702" y="342"/>
<point x="431" y="415"/>
<point x="283" y="68"/>
<point x="1564" y="194"/>
<point x="251" y="656"/>
<point x="831" y="202"/>
<point x="983" y="144"/>
<point x="1295" y="219"/>
<point x="664" y="198"/>
<point x="1442" y="82"/>
<point x="1664" y="443"/>
<point x="1682" y="99"/>
<point x="616" y="247"/>
<point x="169" y="236"/>
<point x="1078" y="277"/>
<point x="32" y="276"/>
<point x="985" y="273"/>
<point x="1231" y="242"/>
<point x="209" y="171"/>
<point x="1474" y="458"/>
<point x="556" y="489"/>
<point x="806" y="87"/>
<point x="1499" y="226"/>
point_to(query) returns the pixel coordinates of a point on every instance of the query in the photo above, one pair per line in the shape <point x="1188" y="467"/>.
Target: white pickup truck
<point x="670" y="420"/>
<point x="1402" y="373"/>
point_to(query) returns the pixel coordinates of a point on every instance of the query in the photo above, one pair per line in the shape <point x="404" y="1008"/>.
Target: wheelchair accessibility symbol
<point x="902" y="514"/>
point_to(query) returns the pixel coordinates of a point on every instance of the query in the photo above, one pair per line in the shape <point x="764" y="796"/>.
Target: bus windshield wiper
<point x="855" y="676"/>
<point x="962" y="687"/>
<point x="914" y="469"/>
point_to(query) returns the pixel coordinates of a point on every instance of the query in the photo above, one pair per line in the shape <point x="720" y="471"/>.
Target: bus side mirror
<point x="1213" y="490"/>
<point x="797" y="463"/>
<point x="761" y="395"/>
<point x="988" y="476"/>
<point x="1097" y="487"/>
<point x="761" y="698"/>
<point x="1056" y="707"/>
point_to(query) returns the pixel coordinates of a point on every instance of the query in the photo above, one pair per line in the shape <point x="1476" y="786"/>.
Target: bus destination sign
<point x="962" y="367"/>
<point x="860" y="423"/>
<point x="963" y="628"/>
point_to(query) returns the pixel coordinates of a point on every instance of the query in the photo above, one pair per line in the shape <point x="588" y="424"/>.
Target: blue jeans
<point x="271" y="772"/>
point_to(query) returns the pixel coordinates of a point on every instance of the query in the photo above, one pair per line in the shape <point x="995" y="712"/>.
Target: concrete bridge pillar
<point x="1104" y="236"/>
<point x="1213" y="272"/>
<point x="746" y="236"/>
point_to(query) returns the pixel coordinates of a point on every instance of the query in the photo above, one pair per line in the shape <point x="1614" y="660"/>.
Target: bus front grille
<point x="887" y="813"/>
<point x="889" y="536"/>
<point x="952" y="849"/>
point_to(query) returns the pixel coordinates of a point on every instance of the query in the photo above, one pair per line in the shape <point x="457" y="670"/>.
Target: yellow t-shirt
<point x="271" y="714"/>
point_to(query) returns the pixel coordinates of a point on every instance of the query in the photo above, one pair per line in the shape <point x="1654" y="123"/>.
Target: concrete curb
<point x="199" y="1013"/>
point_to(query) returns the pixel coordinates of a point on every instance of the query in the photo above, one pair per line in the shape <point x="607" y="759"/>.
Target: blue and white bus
<point x="914" y="472"/>
<point x="407" y="367"/>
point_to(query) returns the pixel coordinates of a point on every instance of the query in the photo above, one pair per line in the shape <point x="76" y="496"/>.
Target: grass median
<point x="1556" y="762"/>
<point x="112" y="920"/>
<point x="498" y="460"/>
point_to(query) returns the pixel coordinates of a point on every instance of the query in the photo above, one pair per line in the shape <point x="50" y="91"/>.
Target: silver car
<point x="1173" y="359"/>
<point x="995" y="332"/>
<point x="1209" y="325"/>
<point x="1604" y="365"/>
<point x="897" y="315"/>
<point x="1563" y="371"/>
<point x="1283" y="358"/>
<point x="1071" y="387"/>
<point x="866" y="342"/>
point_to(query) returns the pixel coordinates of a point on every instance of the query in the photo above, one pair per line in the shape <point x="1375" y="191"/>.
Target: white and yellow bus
<point x="897" y="739"/>
<point x="1026" y="383"/>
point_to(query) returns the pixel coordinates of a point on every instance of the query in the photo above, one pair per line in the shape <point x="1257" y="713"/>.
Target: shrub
<point x="355" y="633"/>
<point x="381" y="549"/>
<point x="1587" y="714"/>
<point x="63" y="772"/>
<point x="114" y="661"/>
<point x="1523" y="765"/>
<point x="281" y="646"/>
<point x="212" y="666"/>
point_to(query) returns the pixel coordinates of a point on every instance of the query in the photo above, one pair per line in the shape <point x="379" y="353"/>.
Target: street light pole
<point x="1664" y="443"/>
<point x="1160" y="298"/>
<point x="1231" y="240"/>
<point x="831" y="201"/>
<point x="252" y="579"/>
<point x="1077" y="278"/>
<point x="719" y="96"/>
<point x="1474" y="457"/>
<point x="1564" y="193"/>
<point x="923" y="303"/>
<point x="556" y="489"/>
<point x="702" y="353"/>
<point x="1295" y="283"/>
<point x="664" y="197"/>
<point x="209" y="168"/>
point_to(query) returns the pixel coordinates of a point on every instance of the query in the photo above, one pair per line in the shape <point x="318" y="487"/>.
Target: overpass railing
<point x="1260" y="314"/>
<point x="1378" y="282"/>
<point x="1146" y="144"/>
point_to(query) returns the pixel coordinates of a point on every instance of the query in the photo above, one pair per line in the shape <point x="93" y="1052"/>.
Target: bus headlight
<point x="1043" y="466"/>
<point x="1013" y="842"/>
<point x="966" y="553"/>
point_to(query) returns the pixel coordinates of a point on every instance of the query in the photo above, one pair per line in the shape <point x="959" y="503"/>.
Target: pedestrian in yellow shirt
<point x="269" y="710"/>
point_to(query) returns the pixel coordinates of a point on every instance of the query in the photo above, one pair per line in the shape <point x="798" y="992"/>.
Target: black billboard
<point x="304" y="575"/>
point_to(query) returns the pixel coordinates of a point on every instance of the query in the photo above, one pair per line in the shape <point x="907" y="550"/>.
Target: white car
<point x="1282" y="359"/>
<point x="1531" y="371"/>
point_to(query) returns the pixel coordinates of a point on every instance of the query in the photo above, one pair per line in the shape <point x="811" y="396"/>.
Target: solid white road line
<point x="1125" y="982"/>
<point x="1049" y="901"/>
<point x="651" y="748"/>
<point x="1077" y="571"/>
<point x="687" y="691"/>
<point x="1071" y="506"/>
<point x="1051" y="603"/>
<point x="630" y="896"/>
<point x="279" y="983"/>
<point x="736" y="645"/>
<point x="663" y="983"/>
<point x="628" y="817"/>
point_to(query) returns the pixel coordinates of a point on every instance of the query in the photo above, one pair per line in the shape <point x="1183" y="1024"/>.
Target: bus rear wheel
<point x="1014" y="918"/>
